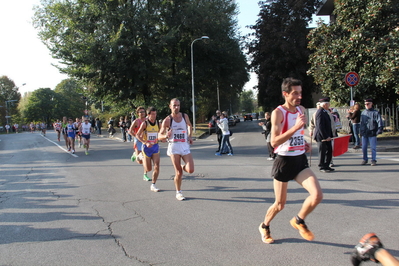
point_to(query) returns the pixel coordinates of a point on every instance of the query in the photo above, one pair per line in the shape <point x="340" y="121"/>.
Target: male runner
<point x="85" y="133"/>
<point x="64" y="126"/>
<point x="148" y="135"/>
<point x="137" y="145"/>
<point x="178" y="129"/>
<point x="287" y="136"/>
<point x="32" y="127"/>
<point x="77" y="124"/>
<point x="43" y="127"/>
<point x="57" y="128"/>
<point x="71" y="132"/>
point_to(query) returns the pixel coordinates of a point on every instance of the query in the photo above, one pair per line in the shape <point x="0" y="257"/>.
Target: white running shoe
<point x="73" y="151"/>
<point x="154" y="188"/>
<point x="179" y="196"/>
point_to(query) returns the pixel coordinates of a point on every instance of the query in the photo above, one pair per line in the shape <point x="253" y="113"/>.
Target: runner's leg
<point x="307" y="179"/>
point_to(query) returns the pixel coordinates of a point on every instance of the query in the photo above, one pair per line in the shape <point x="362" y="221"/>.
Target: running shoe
<point x="364" y="162"/>
<point x="73" y="151"/>
<point x="133" y="158"/>
<point x="266" y="237"/>
<point x="87" y="153"/>
<point x="69" y="149"/>
<point x="154" y="188"/>
<point x="303" y="229"/>
<point x="218" y="154"/>
<point x="179" y="196"/>
<point x="373" y="163"/>
<point x="146" y="178"/>
<point x="230" y="154"/>
<point x="84" y="146"/>
<point x="270" y="159"/>
<point x="366" y="248"/>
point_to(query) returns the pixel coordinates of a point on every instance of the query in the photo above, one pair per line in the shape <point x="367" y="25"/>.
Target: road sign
<point x="7" y="116"/>
<point x="352" y="79"/>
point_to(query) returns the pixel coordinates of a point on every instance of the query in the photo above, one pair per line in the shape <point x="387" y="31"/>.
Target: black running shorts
<point x="286" y="168"/>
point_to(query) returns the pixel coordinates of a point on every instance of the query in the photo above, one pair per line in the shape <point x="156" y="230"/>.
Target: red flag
<point x="340" y="145"/>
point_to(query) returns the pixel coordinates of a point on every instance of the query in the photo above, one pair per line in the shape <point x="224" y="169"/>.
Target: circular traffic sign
<point x="352" y="79"/>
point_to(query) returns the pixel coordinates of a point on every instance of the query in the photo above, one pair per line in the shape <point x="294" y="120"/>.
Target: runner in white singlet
<point x="177" y="129"/>
<point x="85" y="133"/>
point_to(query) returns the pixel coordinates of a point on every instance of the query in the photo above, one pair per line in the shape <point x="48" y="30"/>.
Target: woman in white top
<point x="223" y="124"/>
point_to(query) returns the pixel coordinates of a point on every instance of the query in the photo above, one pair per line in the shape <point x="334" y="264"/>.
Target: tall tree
<point x="9" y="98"/>
<point x="246" y="102"/>
<point x="140" y="50"/>
<point x="44" y="105"/>
<point x="279" y="49"/>
<point x="72" y="98"/>
<point x="364" y="39"/>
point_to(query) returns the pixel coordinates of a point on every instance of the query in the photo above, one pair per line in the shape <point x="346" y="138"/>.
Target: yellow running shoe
<point x="266" y="237"/>
<point x="303" y="230"/>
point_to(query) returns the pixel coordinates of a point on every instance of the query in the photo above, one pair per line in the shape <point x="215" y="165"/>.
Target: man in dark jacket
<point x="370" y="126"/>
<point x="323" y="135"/>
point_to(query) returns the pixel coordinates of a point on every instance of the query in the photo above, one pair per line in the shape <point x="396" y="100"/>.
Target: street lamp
<point x="7" y="108"/>
<point x="192" y="75"/>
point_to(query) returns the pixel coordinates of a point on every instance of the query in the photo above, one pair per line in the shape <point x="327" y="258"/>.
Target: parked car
<point x="236" y="118"/>
<point x="232" y="121"/>
<point x="247" y="117"/>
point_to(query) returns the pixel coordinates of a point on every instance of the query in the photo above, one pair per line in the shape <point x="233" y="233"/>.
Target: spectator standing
<point x="354" y="116"/>
<point x="267" y="127"/>
<point x="370" y="126"/>
<point x="8" y="128"/>
<point x="99" y="124"/>
<point x="223" y="124"/>
<point x="93" y="125"/>
<point x="312" y="122"/>
<point x="323" y="135"/>
<point x="122" y="126"/>
<point x="128" y="124"/>
<point x="16" y="127"/>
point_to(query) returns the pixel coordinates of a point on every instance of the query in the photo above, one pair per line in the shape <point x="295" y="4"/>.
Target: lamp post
<point x="192" y="75"/>
<point x="7" y="108"/>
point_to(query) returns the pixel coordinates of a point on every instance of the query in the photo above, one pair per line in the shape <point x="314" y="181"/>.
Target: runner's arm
<point x="189" y="129"/>
<point x="139" y="135"/>
<point x="163" y="133"/>
<point x="131" y="129"/>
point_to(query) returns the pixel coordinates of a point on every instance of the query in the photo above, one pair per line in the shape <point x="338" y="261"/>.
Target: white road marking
<point x="59" y="146"/>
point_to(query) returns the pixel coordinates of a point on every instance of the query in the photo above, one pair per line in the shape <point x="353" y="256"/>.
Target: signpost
<point x="352" y="79"/>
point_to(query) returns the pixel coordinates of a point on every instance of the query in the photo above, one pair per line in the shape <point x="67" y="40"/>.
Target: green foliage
<point x="42" y="106"/>
<point x="136" y="52"/>
<point x="364" y="39"/>
<point x="279" y="49"/>
<point x="247" y="102"/>
<point x="8" y="91"/>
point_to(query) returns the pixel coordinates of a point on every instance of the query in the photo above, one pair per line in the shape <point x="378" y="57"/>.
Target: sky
<point x="26" y="60"/>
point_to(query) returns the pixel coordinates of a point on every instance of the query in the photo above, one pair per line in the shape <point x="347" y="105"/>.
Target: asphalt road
<point x="59" y="209"/>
